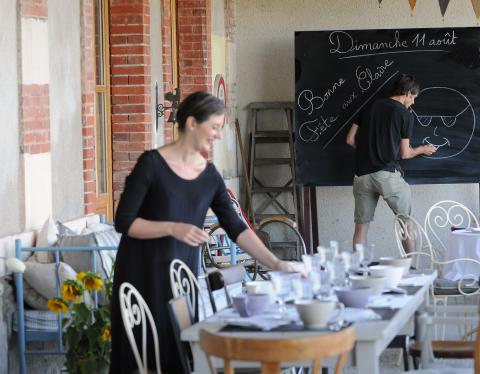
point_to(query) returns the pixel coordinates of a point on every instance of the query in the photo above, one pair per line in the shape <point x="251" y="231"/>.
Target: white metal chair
<point x="426" y="257"/>
<point x="135" y="312"/>
<point x="408" y="229"/>
<point x="184" y="282"/>
<point x="441" y="217"/>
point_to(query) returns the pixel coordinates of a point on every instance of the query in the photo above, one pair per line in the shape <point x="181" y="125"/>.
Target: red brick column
<point x="194" y="40"/>
<point x="88" y="103"/>
<point x="34" y="97"/>
<point x="167" y="64"/>
<point x="130" y="85"/>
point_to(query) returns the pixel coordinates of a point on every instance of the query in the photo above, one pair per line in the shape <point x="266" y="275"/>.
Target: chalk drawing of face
<point x="445" y="118"/>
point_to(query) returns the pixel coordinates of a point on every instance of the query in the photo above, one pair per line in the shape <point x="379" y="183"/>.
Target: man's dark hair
<point x="405" y="83"/>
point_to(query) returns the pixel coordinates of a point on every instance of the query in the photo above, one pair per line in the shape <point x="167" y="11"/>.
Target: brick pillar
<point x="35" y="96"/>
<point x="88" y="103"/>
<point x="194" y="41"/>
<point x="35" y="112"/>
<point x="167" y="64"/>
<point x="130" y="85"/>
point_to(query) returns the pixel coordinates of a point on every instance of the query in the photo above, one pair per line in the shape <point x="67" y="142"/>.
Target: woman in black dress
<point x="161" y="214"/>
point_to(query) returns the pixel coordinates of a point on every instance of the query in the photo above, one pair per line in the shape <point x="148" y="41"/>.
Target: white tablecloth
<point x="466" y="244"/>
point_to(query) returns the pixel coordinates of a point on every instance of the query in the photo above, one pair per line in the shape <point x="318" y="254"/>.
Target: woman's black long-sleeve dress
<point x="155" y="192"/>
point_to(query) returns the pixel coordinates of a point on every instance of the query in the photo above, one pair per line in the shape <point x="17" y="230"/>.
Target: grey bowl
<point x="354" y="297"/>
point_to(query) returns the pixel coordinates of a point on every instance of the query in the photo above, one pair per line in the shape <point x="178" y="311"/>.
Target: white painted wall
<point x="157" y="69"/>
<point x="265" y="72"/>
<point x="65" y="108"/>
<point x="224" y="150"/>
<point x="11" y="191"/>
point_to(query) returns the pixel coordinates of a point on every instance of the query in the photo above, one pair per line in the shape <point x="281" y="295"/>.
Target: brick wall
<point x="194" y="42"/>
<point x="35" y="114"/>
<point x="167" y="63"/>
<point x="34" y="97"/>
<point x="33" y="8"/>
<point x="88" y="103"/>
<point x="130" y="85"/>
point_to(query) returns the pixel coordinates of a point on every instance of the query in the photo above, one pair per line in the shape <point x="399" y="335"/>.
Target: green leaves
<point x="86" y="330"/>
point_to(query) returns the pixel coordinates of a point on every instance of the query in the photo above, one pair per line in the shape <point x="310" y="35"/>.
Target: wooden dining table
<point x="372" y="336"/>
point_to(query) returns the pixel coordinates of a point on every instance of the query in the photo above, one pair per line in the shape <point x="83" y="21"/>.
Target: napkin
<point x="389" y="301"/>
<point x="263" y="322"/>
<point x="360" y="314"/>
<point x="414" y="280"/>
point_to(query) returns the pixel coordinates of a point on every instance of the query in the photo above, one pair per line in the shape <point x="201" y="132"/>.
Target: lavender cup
<point x="248" y="305"/>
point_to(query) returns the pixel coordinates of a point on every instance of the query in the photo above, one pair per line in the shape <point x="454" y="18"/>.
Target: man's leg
<point x="397" y="194"/>
<point x="409" y="242"/>
<point x="361" y="232"/>
<point x="365" y="203"/>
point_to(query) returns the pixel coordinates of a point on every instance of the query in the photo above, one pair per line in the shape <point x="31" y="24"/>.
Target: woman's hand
<point x="285" y="266"/>
<point x="189" y="234"/>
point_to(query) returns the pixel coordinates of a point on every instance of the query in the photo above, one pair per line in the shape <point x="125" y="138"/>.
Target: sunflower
<point x="72" y="291"/>
<point x="57" y="305"/>
<point x="90" y="281"/>
<point x="106" y="334"/>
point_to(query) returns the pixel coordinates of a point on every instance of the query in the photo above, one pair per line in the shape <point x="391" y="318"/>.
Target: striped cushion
<point x="39" y="320"/>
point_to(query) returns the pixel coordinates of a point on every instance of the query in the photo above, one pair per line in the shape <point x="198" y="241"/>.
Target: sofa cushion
<point x="32" y="298"/>
<point x="47" y="237"/>
<point x="42" y="277"/>
<point x="100" y="235"/>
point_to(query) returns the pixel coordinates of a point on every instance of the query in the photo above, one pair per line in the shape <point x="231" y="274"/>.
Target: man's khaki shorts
<point x="390" y="185"/>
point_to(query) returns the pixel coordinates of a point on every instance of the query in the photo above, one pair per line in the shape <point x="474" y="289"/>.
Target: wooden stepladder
<point x="271" y="160"/>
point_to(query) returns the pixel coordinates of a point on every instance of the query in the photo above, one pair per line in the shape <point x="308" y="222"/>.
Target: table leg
<point x="367" y="358"/>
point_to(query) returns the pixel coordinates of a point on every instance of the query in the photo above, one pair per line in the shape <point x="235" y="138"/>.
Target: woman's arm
<point x="185" y="232"/>
<point x="252" y="244"/>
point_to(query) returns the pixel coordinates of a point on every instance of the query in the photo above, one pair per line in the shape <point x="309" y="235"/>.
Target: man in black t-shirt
<point x="381" y="136"/>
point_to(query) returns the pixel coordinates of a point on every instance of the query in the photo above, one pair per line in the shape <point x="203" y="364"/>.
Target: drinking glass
<point x="307" y="263"/>
<point x="302" y="289"/>
<point x="316" y="279"/>
<point x="326" y="275"/>
<point x="282" y="286"/>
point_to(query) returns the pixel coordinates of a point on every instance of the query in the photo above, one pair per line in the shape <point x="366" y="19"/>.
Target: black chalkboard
<point x="338" y="73"/>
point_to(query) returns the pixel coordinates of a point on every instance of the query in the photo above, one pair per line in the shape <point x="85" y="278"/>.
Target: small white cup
<point x="317" y="313"/>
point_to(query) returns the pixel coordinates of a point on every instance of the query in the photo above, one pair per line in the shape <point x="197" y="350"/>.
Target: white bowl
<point x="404" y="262"/>
<point x="392" y="274"/>
<point x="377" y="284"/>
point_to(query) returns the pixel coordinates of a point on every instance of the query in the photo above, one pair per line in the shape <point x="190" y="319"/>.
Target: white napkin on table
<point x="389" y="301"/>
<point x="360" y="314"/>
<point x="263" y="322"/>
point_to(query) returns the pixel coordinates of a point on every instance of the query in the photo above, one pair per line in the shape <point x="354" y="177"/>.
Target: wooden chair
<point x="135" y="312"/>
<point x="271" y="352"/>
<point x="181" y="317"/>
<point x="426" y="348"/>
<point x="222" y="279"/>
<point x="184" y="282"/>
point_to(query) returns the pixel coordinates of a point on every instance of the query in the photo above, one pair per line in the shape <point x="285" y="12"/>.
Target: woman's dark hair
<point x="199" y="105"/>
<point x="405" y="83"/>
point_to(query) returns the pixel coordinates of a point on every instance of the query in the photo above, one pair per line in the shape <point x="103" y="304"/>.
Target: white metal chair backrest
<point x="184" y="282"/>
<point x="441" y="217"/>
<point x="408" y="228"/>
<point x="134" y="309"/>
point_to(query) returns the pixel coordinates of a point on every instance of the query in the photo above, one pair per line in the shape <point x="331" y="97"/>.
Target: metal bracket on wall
<point x="174" y="98"/>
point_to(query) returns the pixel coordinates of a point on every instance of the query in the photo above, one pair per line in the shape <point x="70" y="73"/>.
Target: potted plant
<point x="86" y="328"/>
